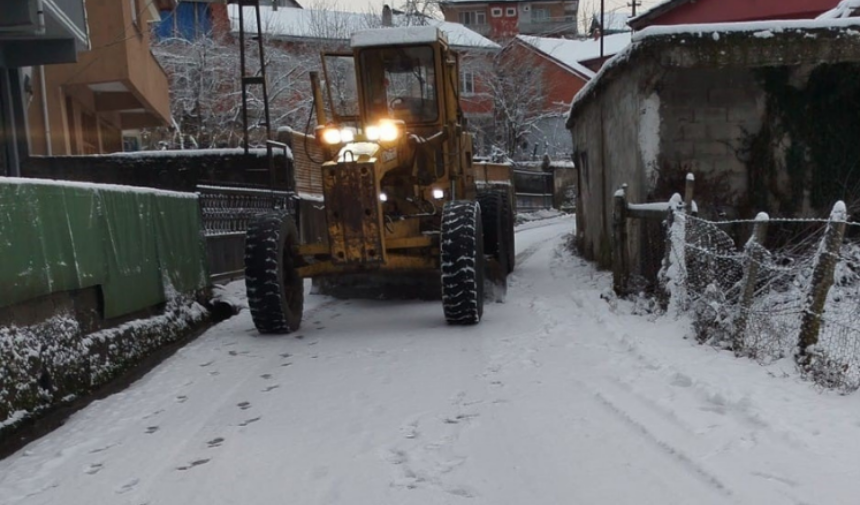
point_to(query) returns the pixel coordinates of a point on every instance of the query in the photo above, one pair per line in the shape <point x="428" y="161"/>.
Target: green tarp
<point x="131" y="242"/>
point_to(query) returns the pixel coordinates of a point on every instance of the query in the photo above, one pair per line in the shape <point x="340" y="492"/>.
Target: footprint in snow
<point x="266" y="376"/>
<point x="250" y="421"/>
<point x="207" y="363"/>
<point x="286" y="364"/>
<point x="94" y="469"/>
<point x="285" y="354"/>
<point x="128" y="486"/>
<point x="244" y="405"/>
<point x="196" y="462"/>
<point x="299" y="337"/>
<point x="181" y="399"/>
<point x="680" y="380"/>
<point x="271" y="388"/>
<point x="215" y="442"/>
<point x="151" y="429"/>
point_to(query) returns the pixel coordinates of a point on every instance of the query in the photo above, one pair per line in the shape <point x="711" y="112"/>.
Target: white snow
<point x="845" y="9"/>
<point x="573" y="53"/>
<point x="22" y="181"/>
<point x="560" y="396"/>
<point x="389" y="36"/>
<point x="311" y="24"/>
<point x="777" y="26"/>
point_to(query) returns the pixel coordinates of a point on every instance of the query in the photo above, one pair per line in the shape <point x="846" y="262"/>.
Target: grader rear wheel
<point x="275" y="290"/>
<point x="462" y="262"/>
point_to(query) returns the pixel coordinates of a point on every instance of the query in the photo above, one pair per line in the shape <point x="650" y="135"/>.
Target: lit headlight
<point x="383" y="197"/>
<point x="334" y="136"/>
<point x="372" y="133"/>
<point x="386" y="131"/>
<point x="331" y="136"/>
<point x="438" y="194"/>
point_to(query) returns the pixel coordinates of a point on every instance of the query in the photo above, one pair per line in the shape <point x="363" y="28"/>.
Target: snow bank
<point x="53" y="362"/>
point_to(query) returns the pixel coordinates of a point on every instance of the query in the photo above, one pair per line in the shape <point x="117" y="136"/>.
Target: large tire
<point x="494" y="234"/>
<point x="462" y="262"/>
<point x="275" y="290"/>
<point x="508" y="230"/>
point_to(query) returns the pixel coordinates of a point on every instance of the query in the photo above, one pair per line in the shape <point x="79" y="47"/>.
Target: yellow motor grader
<point x="403" y="198"/>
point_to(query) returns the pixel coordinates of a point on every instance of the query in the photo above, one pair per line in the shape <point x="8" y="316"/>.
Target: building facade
<point x="502" y="20"/>
<point x="116" y="86"/>
<point x="31" y="38"/>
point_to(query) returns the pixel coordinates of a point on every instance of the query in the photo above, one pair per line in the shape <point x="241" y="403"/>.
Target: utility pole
<point x="633" y="4"/>
<point x="602" y="24"/>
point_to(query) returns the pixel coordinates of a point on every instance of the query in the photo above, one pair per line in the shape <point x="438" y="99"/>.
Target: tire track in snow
<point x="673" y="452"/>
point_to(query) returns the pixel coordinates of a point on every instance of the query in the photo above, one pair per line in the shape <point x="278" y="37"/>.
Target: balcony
<point x="122" y="76"/>
<point x="28" y="38"/>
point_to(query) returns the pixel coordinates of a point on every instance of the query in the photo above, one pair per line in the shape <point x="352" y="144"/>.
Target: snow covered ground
<point x="558" y="397"/>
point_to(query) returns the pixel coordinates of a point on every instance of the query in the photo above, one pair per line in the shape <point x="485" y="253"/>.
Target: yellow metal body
<point x="384" y="199"/>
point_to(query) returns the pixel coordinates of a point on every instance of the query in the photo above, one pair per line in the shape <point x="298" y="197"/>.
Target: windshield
<point x="340" y="81"/>
<point x="400" y="83"/>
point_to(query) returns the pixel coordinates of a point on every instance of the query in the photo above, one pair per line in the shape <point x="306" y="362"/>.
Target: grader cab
<point x="403" y="199"/>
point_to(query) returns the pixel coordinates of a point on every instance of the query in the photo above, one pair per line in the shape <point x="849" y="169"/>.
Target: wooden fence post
<point x="620" y="269"/>
<point x="822" y="280"/>
<point x="688" y="193"/>
<point x="754" y="254"/>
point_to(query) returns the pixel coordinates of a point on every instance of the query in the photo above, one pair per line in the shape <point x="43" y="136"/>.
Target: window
<point x="467" y="82"/>
<point x="405" y="88"/>
<point x="510" y="12"/>
<point x="540" y="14"/>
<point x="471" y="18"/>
<point x="496" y="12"/>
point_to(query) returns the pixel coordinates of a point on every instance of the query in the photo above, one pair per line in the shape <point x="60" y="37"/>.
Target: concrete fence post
<point x="754" y="252"/>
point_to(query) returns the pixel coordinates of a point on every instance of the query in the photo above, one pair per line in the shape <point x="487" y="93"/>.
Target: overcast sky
<point x="376" y="5"/>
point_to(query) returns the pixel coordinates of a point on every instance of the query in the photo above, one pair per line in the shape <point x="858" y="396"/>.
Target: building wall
<point x="717" y="11"/>
<point x="120" y="59"/>
<point x="705" y="115"/>
<point x="505" y="27"/>
<point x="607" y="154"/>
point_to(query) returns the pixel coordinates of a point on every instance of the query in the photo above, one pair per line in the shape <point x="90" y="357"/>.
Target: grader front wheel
<point x="275" y="290"/>
<point x="462" y="262"/>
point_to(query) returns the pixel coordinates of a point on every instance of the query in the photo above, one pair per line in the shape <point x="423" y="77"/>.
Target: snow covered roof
<point x="615" y="21"/>
<point x="656" y="10"/>
<point x="845" y="9"/>
<point x="563" y="52"/>
<point x="309" y="24"/>
<point x="402" y="35"/>
<point x="722" y="33"/>
<point x="574" y="53"/>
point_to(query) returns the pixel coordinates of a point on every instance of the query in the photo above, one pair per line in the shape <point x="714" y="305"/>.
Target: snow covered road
<point x="557" y="397"/>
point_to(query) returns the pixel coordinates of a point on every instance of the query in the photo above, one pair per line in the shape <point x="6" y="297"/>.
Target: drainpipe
<point x="49" y="148"/>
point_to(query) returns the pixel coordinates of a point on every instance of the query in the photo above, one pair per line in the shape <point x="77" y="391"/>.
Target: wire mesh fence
<point x="793" y="290"/>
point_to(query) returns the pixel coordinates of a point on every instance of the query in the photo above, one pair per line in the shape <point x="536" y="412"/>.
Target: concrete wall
<point x="705" y="114"/>
<point x="606" y="142"/>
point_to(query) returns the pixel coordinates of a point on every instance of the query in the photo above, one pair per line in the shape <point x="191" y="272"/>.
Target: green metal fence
<point x="136" y="244"/>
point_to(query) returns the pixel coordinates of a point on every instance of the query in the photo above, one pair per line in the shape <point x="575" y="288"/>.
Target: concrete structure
<point x="117" y="85"/>
<point x="731" y="103"/>
<point x="29" y="37"/>
<point x="502" y="19"/>
<point x="680" y="12"/>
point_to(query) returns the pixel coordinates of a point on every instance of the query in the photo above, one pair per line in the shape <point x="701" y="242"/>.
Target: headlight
<point x="386" y="131"/>
<point x="331" y="136"/>
<point x="372" y="133"/>
<point x="438" y="194"/>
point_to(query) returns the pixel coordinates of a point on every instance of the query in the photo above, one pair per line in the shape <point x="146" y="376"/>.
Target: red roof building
<point x="682" y="12"/>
